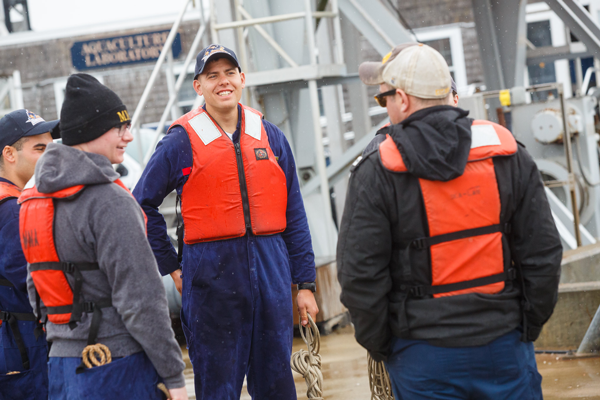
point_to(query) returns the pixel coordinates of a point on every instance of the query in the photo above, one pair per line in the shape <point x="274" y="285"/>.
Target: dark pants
<point x="503" y="369"/>
<point x="31" y="384"/>
<point x="237" y="317"/>
<point x="128" y="378"/>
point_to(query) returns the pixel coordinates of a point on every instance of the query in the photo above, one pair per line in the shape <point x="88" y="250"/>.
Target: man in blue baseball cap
<point x="245" y="241"/>
<point x="23" y="355"/>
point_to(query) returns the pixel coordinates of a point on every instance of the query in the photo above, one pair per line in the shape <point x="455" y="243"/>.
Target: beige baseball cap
<point x="421" y="71"/>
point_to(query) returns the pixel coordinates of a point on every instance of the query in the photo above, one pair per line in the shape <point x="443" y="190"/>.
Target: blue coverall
<point x="32" y="383"/>
<point x="236" y="305"/>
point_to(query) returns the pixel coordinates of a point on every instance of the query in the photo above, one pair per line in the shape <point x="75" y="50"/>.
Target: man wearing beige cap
<point x="448" y="256"/>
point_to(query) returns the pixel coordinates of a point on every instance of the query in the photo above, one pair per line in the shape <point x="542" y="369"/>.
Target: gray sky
<point x="47" y="15"/>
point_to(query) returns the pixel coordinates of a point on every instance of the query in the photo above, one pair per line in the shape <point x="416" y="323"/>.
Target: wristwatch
<point x="312" y="286"/>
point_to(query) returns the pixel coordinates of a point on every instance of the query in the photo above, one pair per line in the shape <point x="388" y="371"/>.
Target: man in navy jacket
<point x="236" y="309"/>
<point x="23" y="371"/>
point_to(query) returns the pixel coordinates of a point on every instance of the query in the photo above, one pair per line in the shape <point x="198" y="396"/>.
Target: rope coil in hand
<point x="97" y="354"/>
<point x="308" y="363"/>
<point x="379" y="381"/>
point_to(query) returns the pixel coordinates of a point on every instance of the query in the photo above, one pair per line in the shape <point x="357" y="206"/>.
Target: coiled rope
<point x="97" y="354"/>
<point x="308" y="363"/>
<point x="379" y="380"/>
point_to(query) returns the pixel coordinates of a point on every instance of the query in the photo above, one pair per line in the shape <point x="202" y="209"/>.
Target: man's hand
<point x="306" y="303"/>
<point x="179" y="393"/>
<point x="176" y="275"/>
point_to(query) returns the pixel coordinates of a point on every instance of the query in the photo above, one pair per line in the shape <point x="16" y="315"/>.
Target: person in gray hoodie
<point x="100" y="225"/>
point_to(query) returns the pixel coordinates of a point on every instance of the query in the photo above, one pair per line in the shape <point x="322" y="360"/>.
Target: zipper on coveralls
<point x="243" y="187"/>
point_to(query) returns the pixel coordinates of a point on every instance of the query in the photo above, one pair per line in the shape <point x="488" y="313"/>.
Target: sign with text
<point x="121" y="50"/>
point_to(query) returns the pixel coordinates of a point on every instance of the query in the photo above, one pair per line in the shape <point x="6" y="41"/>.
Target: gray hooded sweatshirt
<point x="104" y="224"/>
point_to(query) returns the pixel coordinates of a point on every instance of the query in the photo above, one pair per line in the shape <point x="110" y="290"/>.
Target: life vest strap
<point x="426" y="242"/>
<point x="13" y="324"/>
<point x="6" y="282"/>
<point x="67" y="267"/>
<point x="96" y="309"/>
<point x="420" y="291"/>
<point x="4" y="316"/>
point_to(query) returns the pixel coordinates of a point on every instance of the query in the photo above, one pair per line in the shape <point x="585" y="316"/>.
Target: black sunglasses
<point x="380" y="97"/>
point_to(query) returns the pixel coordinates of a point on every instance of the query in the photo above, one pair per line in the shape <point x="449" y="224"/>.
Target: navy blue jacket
<point x="13" y="265"/>
<point x="164" y="173"/>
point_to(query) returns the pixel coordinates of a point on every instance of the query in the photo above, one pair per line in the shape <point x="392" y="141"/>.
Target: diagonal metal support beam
<point x="268" y="38"/>
<point x="579" y="22"/>
<point x="376" y="24"/>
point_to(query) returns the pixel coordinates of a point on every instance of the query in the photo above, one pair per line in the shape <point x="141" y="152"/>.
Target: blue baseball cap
<point x="21" y="123"/>
<point x="211" y="52"/>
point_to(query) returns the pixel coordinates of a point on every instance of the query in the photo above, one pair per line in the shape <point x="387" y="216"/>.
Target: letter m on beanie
<point x="123" y="115"/>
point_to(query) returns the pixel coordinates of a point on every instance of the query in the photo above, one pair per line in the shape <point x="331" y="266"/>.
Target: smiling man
<point x="90" y="264"/>
<point x="23" y="370"/>
<point x="246" y="236"/>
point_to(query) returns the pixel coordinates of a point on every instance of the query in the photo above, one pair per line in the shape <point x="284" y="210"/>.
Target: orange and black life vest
<point x="7" y="192"/>
<point x="463" y="216"/>
<point x="232" y="187"/>
<point x="63" y="303"/>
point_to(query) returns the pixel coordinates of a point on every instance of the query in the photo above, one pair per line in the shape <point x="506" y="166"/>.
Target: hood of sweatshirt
<point x="434" y="142"/>
<point x="61" y="167"/>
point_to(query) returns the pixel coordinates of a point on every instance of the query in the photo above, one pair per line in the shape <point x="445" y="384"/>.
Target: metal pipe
<point x="586" y="80"/>
<point x="569" y="157"/>
<point x="242" y="48"/>
<point x="263" y="20"/>
<point x="318" y="132"/>
<point x="273" y="18"/>
<point x="269" y="39"/>
<point x="163" y="119"/>
<point x="337" y="32"/>
<point x="578" y="77"/>
<point x="591" y="340"/>
<point x="17" y="92"/>
<point x="214" y="38"/>
<point x="163" y="54"/>
<point x="171" y="82"/>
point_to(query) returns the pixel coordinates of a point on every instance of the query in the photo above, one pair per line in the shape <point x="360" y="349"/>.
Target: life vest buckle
<point x="511" y="274"/>
<point x="4" y="315"/>
<point x="417" y="291"/>
<point x="68" y="267"/>
<point x="418" y="244"/>
<point x="87" y="307"/>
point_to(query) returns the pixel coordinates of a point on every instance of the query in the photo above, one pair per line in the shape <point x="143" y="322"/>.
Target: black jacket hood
<point x="434" y="142"/>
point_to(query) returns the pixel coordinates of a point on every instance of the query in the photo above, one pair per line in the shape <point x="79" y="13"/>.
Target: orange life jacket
<point x="232" y="187"/>
<point x="48" y="272"/>
<point x="463" y="216"/>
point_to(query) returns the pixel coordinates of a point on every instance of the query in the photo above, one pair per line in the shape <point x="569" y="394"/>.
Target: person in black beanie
<point x="117" y="298"/>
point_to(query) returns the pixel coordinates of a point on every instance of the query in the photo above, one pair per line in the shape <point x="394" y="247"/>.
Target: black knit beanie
<point x="89" y="110"/>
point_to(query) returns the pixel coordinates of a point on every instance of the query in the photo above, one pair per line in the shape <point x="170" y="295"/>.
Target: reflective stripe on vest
<point x="468" y="203"/>
<point x="231" y="187"/>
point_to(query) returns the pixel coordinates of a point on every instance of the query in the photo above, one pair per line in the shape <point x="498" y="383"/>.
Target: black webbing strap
<point x="13" y="323"/>
<point x="66" y="267"/>
<point x="96" y="310"/>
<point x="426" y="242"/>
<point x="6" y="282"/>
<point x="179" y="230"/>
<point x="419" y="291"/>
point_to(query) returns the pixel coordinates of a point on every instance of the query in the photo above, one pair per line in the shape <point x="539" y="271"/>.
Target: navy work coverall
<point x="236" y="305"/>
<point x="31" y="383"/>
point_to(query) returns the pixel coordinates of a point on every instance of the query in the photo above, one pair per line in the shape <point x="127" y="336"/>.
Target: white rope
<point x="379" y="381"/>
<point x="308" y="363"/>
